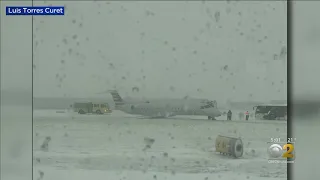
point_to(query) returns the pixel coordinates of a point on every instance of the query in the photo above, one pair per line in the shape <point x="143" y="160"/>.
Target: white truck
<point x="91" y="107"/>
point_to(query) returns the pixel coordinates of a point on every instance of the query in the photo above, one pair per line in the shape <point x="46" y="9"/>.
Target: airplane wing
<point x="163" y="114"/>
<point x="153" y="117"/>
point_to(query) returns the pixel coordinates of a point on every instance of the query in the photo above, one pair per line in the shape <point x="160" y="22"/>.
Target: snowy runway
<point x="115" y="147"/>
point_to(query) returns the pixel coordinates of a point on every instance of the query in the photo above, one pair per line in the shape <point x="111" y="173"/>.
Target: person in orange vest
<point x="247" y="115"/>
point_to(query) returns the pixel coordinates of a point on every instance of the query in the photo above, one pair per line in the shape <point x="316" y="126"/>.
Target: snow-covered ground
<point x="113" y="147"/>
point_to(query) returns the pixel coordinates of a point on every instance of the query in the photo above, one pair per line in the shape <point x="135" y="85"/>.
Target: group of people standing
<point x="241" y="115"/>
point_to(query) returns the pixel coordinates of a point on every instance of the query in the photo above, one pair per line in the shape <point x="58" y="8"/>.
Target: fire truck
<point x="91" y="107"/>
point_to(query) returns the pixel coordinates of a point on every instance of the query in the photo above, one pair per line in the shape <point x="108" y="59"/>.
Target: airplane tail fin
<point x="118" y="101"/>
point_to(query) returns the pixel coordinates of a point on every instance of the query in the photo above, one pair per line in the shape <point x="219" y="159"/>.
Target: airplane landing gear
<point x="211" y="118"/>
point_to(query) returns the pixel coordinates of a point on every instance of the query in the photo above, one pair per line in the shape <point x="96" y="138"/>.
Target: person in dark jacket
<point x="229" y="115"/>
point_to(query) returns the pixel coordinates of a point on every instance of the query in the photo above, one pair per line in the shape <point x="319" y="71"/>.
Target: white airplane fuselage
<point x="169" y="108"/>
<point x="166" y="107"/>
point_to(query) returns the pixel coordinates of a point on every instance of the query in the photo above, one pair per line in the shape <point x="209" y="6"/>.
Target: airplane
<point x="167" y="108"/>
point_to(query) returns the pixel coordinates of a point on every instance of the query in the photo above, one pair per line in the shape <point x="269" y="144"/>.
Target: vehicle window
<point x="96" y="105"/>
<point x="263" y="109"/>
<point x="103" y="105"/>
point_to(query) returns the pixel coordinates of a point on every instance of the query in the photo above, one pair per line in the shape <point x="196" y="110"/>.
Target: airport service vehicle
<point x="271" y="111"/>
<point x="91" y="107"/>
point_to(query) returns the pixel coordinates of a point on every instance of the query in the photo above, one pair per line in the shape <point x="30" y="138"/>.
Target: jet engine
<point x="229" y="146"/>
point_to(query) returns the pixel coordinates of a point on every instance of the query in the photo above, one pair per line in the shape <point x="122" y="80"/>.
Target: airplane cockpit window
<point x="209" y="104"/>
<point x="204" y="101"/>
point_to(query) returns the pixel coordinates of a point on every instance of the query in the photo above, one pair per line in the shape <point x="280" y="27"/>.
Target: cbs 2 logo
<point x="289" y="150"/>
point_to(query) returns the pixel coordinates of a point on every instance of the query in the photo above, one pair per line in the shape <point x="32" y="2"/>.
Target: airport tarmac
<point x="114" y="147"/>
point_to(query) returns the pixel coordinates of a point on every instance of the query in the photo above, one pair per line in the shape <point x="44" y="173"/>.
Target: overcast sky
<point x="215" y="50"/>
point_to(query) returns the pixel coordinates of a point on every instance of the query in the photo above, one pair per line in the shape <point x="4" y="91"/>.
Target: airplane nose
<point x="212" y="112"/>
